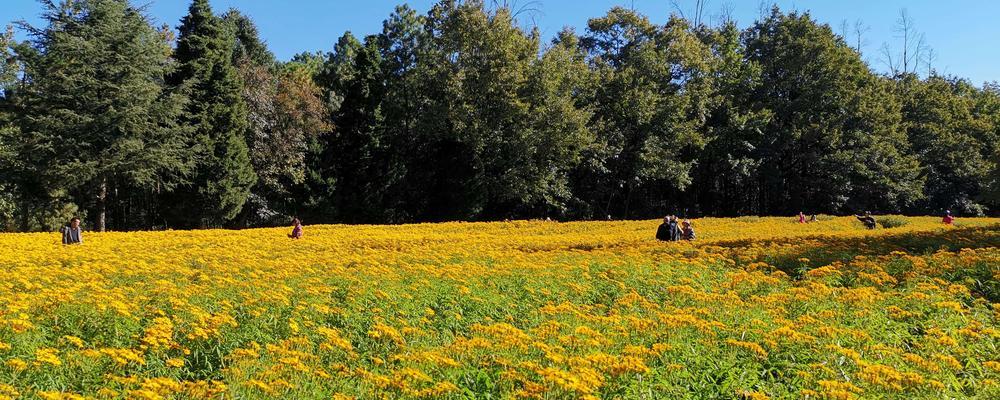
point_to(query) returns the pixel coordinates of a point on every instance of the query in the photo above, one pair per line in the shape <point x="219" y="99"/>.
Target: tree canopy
<point x="468" y="113"/>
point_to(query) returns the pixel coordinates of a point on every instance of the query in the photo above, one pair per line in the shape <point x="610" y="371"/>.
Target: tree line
<point x="463" y="113"/>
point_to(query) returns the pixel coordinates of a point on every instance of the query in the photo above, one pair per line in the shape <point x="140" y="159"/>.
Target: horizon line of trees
<point x="463" y="114"/>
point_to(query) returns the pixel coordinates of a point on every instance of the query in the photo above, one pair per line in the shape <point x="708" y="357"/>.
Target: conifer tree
<point x="217" y="118"/>
<point x="96" y="123"/>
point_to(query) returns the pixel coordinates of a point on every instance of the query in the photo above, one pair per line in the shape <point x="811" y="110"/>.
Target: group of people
<point x="73" y="233"/>
<point x="673" y="231"/>
<point x="870" y="222"/>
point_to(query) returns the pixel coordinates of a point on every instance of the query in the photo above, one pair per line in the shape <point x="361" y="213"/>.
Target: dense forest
<point x="464" y="113"/>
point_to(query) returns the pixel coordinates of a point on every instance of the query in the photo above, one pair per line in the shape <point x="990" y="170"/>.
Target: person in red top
<point x="948" y="219"/>
<point x="297" y="230"/>
<point x="802" y="218"/>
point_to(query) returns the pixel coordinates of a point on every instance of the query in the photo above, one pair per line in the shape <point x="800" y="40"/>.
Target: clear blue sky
<point x="965" y="34"/>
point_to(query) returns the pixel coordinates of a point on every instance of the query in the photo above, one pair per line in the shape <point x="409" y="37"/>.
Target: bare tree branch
<point x="887" y="59"/>
<point x="913" y="48"/>
<point x="726" y="12"/>
<point x="931" y="58"/>
<point x="677" y="8"/>
<point x="763" y="8"/>
<point x="860" y="29"/>
<point x="697" y="16"/>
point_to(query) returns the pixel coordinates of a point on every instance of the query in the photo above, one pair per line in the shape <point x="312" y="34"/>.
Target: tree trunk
<point x="102" y="204"/>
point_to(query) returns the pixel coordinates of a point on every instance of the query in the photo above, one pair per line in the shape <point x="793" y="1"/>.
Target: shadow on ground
<point x="797" y="255"/>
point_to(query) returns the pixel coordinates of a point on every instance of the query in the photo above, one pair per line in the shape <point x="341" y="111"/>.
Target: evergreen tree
<point x="728" y="167"/>
<point x="217" y="117"/>
<point x="96" y="124"/>
<point x="8" y="64"/>
<point x="357" y="153"/>
<point x="8" y="75"/>
<point x="248" y="45"/>
<point x="953" y="141"/>
<point x="988" y="107"/>
<point x="834" y="142"/>
<point x="316" y="192"/>
<point x="402" y="43"/>
<point x="648" y="109"/>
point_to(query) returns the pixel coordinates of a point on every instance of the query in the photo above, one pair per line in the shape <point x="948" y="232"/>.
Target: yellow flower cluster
<point x="757" y="308"/>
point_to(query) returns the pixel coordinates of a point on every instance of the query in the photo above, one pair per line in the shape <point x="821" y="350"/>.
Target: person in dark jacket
<point x="867" y="219"/>
<point x="72" y="233"/>
<point x="675" y="229"/>
<point x="663" y="231"/>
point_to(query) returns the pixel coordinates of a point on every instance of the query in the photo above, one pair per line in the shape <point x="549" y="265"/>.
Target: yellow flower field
<point x="758" y="308"/>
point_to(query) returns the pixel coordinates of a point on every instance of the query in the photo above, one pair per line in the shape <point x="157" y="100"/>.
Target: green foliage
<point x="8" y="63"/>
<point x="284" y="112"/>
<point x="649" y="104"/>
<point x="461" y="113"/>
<point x="357" y="150"/>
<point x="8" y="75"/>
<point x="729" y="166"/>
<point x="892" y="221"/>
<point x="834" y="137"/>
<point x="953" y="139"/>
<point x="217" y="117"/>
<point x="95" y="122"/>
<point x="988" y="109"/>
<point x="248" y="45"/>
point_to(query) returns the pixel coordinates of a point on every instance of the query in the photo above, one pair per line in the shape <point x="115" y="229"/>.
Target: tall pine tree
<point x="96" y="123"/>
<point x="8" y="75"/>
<point x="217" y="116"/>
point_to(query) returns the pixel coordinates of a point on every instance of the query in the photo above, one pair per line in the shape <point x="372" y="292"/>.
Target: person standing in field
<point x="867" y="219"/>
<point x="948" y="219"/>
<point x="72" y="234"/>
<point x="802" y="217"/>
<point x="688" y="232"/>
<point x="296" y="229"/>
<point x="675" y="229"/>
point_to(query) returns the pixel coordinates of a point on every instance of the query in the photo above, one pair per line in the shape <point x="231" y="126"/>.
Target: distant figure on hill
<point x="296" y="229"/>
<point x="867" y="219"/>
<point x="72" y="234"/>
<point x="802" y="217"/>
<point x="688" y="232"/>
<point x="948" y="219"/>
